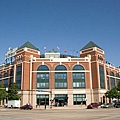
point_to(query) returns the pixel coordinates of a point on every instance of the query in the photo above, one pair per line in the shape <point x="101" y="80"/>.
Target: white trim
<point x="5" y="77"/>
<point x="63" y="71"/>
<point x="98" y="74"/>
<point x="22" y="77"/>
<point x="14" y="73"/>
<point x="31" y="73"/>
<point x="86" y="59"/>
<point x="93" y="49"/>
<point x="113" y="77"/>
<point x="26" y="62"/>
<point x="90" y="76"/>
<point x="25" y="49"/>
<point x="105" y="75"/>
<point x="94" y="61"/>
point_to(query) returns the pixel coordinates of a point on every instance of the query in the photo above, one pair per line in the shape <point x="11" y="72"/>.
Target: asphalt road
<point x="82" y="114"/>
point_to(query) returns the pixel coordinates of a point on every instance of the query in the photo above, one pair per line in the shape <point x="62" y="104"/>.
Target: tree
<point x="13" y="92"/>
<point x="118" y="89"/>
<point x="118" y="86"/>
<point x="113" y="93"/>
<point x="3" y="93"/>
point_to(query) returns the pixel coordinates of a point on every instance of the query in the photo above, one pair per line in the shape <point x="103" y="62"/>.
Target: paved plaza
<point x="60" y="114"/>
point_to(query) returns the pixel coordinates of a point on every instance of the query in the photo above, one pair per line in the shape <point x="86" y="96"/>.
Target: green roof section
<point x="28" y="45"/>
<point x="90" y="45"/>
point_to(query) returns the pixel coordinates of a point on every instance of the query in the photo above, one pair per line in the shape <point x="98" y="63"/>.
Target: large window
<point x="18" y="76"/>
<point x="6" y="80"/>
<point x="117" y="79"/>
<point x="112" y="79"/>
<point x="79" y="98"/>
<point x="42" y="77"/>
<point x="60" y="77"/>
<point x="101" y="73"/>
<point x="11" y="76"/>
<point x="78" y="77"/>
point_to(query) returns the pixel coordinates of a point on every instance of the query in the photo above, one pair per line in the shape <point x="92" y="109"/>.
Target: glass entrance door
<point x="42" y="99"/>
<point x="61" y="99"/>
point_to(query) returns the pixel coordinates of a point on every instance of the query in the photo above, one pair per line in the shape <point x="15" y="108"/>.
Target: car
<point x="117" y="105"/>
<point x="102" y="105"/>
<point x="26" y="107"/>
<point x="108" y="105"/>
<point x="93" y="105"/>
<point x="5" y="105"/>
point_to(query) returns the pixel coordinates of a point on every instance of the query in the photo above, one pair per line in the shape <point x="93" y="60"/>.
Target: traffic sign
<point x="40" y="90"/>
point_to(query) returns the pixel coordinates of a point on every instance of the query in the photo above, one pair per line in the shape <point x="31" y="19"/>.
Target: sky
<point x="67" y="24"/>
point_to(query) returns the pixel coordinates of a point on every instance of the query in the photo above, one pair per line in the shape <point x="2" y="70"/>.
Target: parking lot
<point x="58" y="114"/>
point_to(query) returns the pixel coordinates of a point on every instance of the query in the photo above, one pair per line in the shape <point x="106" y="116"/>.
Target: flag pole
<point x="45" y="49"/>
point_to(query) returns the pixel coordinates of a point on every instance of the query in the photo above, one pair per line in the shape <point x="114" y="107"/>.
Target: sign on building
<point x="10" y="54"/>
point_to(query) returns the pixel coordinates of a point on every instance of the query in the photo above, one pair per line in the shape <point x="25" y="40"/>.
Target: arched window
<point x="60" y="68"/>
<point x="6" y="80"/>
<point x="60" y="77"/>
<point x="117" y="78"/>
<point x="78" y="67"/>
<point x="42" y="77"/>
<point x="78" y="77"/>
<point x="112" y="79"/>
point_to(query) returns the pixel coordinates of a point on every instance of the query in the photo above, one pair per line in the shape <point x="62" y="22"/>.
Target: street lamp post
<point x="51" y="99"/>
<point x="106" y="97"/>
<point x="6" y="91"/>
<point x="45" y="96"/>
<point x="85" y="101"/>
<point x="101" y="100"/>
<point x="45" y="101"/>
<point x="6" y="88"/>
<point x="118" y="95"/>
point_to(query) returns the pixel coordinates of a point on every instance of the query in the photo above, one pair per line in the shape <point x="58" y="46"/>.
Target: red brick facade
<point x="90" y="59"/>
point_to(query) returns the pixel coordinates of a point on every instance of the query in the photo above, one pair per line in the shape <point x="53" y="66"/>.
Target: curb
<point x="60" y="108"/>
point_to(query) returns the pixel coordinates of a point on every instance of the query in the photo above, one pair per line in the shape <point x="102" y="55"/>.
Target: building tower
<point x="98" y="69"/>
<point x="23" y="68"/>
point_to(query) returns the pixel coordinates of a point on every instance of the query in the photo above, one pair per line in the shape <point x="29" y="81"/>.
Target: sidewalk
<point x="62" y="108"/>
<point x="75" y="107"/>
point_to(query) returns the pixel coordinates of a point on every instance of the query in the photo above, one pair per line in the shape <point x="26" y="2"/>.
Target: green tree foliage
<point x="118" y="86"/>
<point x="3" y="93"/>
<point x="113" y="93"/>
<point x="13" y="92"/>
<point x="118" y="89"/>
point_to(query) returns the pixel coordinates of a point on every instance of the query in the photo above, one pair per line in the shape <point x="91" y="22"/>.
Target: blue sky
<point x="68" y="24"/>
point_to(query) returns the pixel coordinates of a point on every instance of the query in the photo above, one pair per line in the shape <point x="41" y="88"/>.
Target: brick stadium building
<point x="61" y="78"/>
